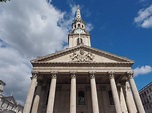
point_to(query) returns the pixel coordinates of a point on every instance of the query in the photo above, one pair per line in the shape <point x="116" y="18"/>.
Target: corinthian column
<point x="129" y="98"/>
<point x="36" y="99"/>
<point x="136" y="94"/>
<point x="95" y="105"/>
<point x="51" y="98"/>
<point x="115" y="93"/>
<point x="122" y="99"/>
<point x="73" y="94"/>
<point x="30" y="95"/>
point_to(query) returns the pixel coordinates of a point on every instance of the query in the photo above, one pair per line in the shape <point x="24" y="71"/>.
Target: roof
<point x="72" y="50"/>
<point x="2" y="82"/>
<point x="144" y="88"/>
<point x="10" y="99"/>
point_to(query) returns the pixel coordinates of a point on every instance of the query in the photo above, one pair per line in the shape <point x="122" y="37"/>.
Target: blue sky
<point x="29" y="29"/>
<point x="115" y="30"/>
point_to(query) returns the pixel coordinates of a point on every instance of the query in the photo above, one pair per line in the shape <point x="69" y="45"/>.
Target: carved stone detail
<point x="54" y="74"/>
<point x="92" y="76"/>
<point x="130" y="75"/>
<point x="73" y="76"/>
<point x="34" y="76"/>
<point x="82" y="56"/>
<point x="111" y="74"/>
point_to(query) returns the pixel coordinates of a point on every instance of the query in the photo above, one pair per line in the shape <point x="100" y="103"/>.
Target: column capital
<point x="54" y="74"/>
<point x="111" y="74"/>
<point x="119" y="85"/>
<point x="92" y="74"/>
<point x="34" y="76"/>
<point x="73" y="74"/>
<point x="130" y="74"/>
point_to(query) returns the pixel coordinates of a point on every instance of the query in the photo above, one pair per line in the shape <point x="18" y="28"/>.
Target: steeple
<point x="78" y="35"/>
<point x="78" y="13"/>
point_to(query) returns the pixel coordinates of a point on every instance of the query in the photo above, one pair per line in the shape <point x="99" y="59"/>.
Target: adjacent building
<point x="82" y="79"/>
<point x="146" y="97"/>
<point x="8" y="103"/>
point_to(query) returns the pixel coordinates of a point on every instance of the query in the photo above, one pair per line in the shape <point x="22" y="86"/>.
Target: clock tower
<point x="79" y="35"/>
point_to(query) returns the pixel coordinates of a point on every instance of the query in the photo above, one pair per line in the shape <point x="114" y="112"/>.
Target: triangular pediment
<point x="10" y="99"/>
<point x="81" y="54"/>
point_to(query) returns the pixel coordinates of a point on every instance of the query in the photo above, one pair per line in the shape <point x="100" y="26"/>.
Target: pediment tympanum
<point x="81" y="54"/>
<point x="10" y="99"/>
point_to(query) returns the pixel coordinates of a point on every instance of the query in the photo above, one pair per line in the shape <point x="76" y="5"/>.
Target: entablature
<point x="84" y="64"/>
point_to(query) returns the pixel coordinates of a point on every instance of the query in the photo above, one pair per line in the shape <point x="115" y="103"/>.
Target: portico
<point x="72" y="83"/>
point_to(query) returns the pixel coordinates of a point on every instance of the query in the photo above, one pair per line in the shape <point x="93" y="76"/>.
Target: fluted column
<point x="30" y="95"/>
<point x="122" y="99"/>
<point x="129" y="98"/>
<point x="136" y="94"/>
<point x="36" y="99"/>
<point x="114" y="93"/>
<point x="73" y="94"/>
<point x="51" y="98"/>
<point x="95" y="105"/>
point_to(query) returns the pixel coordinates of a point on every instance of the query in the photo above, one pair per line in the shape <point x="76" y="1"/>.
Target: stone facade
<point x="82" y="79"/>
<point x="8" y="103"/>
<point x="146" y="97"/>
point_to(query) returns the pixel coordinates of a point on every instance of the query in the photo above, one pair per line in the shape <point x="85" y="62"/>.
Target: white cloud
<point x="89" y="27"/>
<point x="144" y="18"/>
<point x="142" y="70"/>
<point x="15" y="72"/>
<point x="29" y="29"/>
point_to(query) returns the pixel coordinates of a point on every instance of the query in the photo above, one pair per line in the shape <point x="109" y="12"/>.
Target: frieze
<point x="82" y="56"/>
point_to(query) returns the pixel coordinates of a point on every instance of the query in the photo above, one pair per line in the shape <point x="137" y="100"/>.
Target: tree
<point x="4" y="0"/>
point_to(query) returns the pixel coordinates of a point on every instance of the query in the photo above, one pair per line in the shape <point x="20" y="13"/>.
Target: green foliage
<point x="4" y="0"/>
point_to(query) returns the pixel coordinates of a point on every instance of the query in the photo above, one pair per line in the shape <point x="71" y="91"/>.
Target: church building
<point x="82" y="79"/>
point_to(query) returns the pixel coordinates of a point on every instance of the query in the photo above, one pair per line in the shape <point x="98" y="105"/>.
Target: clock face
<point x="78" y="31"/>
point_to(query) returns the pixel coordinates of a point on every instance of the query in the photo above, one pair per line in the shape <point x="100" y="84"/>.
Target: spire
<point x="78" y="35"/>
<point x="78" y="14"/>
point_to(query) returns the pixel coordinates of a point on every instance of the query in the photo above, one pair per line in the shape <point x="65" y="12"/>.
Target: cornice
<point x="84" y="64"/>
<point x="84" y="47"/>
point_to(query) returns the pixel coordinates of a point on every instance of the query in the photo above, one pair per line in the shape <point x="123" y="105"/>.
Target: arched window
<point x="110" y="97"/>
<point x="79" y="41"/>
<point x="78" y="25"/>
<point x="81" y="98"/>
